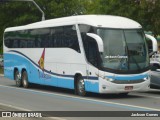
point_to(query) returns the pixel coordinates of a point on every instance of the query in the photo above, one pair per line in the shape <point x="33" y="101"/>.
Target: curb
<point x="1" y="75"/>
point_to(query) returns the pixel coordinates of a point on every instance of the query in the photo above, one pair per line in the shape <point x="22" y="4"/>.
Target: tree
<point x="143" y="11"/>
<point x="21" y="13"/>
<point x="16" y="14"/>
<point x="150" y="15"/>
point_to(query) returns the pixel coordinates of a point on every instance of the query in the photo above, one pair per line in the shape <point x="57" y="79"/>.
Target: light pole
<point x="43" y="15"/>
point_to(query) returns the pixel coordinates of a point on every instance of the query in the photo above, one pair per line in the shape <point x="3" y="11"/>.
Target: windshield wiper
<point x="139" y="68"/>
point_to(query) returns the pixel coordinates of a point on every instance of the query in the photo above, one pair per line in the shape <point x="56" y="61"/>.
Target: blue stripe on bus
<point x="90" y="77"/>
<point x="52" y="73"/>
<point x="132" y="77"/>
<point x="92" y="87"/>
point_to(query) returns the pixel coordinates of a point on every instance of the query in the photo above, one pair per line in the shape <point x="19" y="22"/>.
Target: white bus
<point x="87" y="53"/>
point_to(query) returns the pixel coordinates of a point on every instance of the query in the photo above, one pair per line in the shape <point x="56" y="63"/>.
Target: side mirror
<point x="152" y="53"/>
<point x="98" y="40"/>
<point x="158" y="70"/>
<point x="154" y="42"/>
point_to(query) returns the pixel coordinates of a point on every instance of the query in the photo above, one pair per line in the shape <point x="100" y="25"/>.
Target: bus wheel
<point x="17" y="79"/>
<point x="25" y="82"/>
<point x="80" y="86"/>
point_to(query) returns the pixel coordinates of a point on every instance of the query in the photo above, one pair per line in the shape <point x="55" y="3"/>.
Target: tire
<point x="17" y="79"/>
<point x="80" y="86"/>
<point x="25" y="82"/>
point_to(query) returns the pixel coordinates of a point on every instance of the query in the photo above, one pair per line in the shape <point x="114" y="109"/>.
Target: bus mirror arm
<point x="98" y="40"/>
<point x="154" y="42"/>
<point x="152" y="53"/>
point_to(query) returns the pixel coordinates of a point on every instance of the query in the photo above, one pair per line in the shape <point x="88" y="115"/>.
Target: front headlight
<point x="146" y="78"/>
<point x="109" y="79"/>
<point x="106" y="78"/>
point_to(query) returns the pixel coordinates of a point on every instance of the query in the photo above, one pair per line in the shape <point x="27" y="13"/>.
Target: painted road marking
<point x="107" y="103"/>
<point x="15" y="107"/>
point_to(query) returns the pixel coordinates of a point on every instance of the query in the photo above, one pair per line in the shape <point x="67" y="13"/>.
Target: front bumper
<point x="109" y="87"/>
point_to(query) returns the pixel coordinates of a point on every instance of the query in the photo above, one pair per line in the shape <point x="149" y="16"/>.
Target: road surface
<point x="44" y="98"/>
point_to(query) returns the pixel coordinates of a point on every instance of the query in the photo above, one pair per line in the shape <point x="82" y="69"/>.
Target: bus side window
<point x="74" y="44"/>
<point x="58" y="37"/>
<point x="31" y="43"/>
<point x="92" y="51"/>
<point x="37" y="42"/>
<point x="50" y="42"/>
<point x="71" y="38"/>
<point x="8" y="42"/>
<point x="23" y="44"/>
<point x="90" y="45"/>
<point x="15" y="43"/>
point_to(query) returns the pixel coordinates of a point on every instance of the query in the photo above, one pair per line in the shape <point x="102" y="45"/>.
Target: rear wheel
<point x="81" y="86"/>
<point x="25" y="82"/>
<point x="17" y="79"/>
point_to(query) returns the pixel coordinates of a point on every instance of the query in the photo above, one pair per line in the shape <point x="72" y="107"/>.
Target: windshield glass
<point x="123" y="49"/>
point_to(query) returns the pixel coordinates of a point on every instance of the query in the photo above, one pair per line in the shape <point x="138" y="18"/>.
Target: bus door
<point x="92" y="58"/>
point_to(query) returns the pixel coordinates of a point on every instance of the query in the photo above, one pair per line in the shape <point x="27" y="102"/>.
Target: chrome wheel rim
<point x="81" y="86"/>
<point x="17" y="79"/>
<point x="24" y="81"/>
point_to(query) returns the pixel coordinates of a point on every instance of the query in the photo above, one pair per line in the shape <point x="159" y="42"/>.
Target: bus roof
<point x="107" y="21"/>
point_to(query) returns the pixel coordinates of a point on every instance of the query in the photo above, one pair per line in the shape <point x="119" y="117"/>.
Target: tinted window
<point x="64" y="36"/>
<point x="90" y="45"/>
<point x="58" y="37"/>
<point x="70" y="38"/>
<point x="22" y="44"/>
<point x="91" y="50"/>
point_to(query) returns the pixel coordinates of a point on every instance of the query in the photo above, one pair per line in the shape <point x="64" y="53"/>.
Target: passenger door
<point x="92" y="56"/>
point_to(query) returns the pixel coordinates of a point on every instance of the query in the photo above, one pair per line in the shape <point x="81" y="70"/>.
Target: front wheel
<point x="81" y="86"/>
<point x="17" y="79"/>
<point x="25" y="82"/>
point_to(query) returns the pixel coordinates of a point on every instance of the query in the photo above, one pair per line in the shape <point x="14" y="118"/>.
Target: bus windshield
<point x="123" y="49"/>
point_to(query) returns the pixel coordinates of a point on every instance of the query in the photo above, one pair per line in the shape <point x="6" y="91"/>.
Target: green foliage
<point x="146" y="12"/>
<point x="21" y="13"/>
<point x="1" y="70"/>
<point x="151" y="15"/>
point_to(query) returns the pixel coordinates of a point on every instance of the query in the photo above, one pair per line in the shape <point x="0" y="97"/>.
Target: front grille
<point x="128" y="81"/>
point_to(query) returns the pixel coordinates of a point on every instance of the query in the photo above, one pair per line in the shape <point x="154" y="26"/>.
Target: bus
<point x="86" y="53"/>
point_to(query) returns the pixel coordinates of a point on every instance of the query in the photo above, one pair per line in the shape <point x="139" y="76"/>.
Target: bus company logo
<point x="118" y="56"/>
<point x="41" y="60"/>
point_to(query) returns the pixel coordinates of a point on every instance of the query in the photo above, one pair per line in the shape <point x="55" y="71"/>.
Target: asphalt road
<point x="44" y="98"/>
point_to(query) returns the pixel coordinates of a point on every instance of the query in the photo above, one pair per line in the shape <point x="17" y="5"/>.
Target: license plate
<point x="128" y="88"/>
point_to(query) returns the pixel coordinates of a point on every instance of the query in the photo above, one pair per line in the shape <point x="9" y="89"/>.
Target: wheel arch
<point x="75" y="79"/>
<point x="23" y="69"/>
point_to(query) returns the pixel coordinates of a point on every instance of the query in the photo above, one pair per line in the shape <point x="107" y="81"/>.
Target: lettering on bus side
<point x="43" y="75"/>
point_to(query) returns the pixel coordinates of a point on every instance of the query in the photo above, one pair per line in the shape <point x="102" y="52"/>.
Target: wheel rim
<point x="17" y="79"/>
<point x="81" y="86"/>
<point x="24" y="81"/>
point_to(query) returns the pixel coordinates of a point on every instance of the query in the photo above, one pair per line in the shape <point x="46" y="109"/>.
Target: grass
<point x="1" y="70"/>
